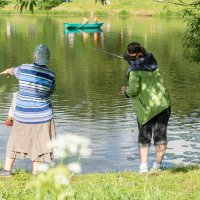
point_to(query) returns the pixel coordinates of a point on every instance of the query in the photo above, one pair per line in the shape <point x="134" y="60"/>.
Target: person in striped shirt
<point x="33" y="125"/>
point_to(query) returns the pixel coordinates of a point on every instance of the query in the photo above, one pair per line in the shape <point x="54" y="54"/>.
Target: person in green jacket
<point x="151" y="102"/>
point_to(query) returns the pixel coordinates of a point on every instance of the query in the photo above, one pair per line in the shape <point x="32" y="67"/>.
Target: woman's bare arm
<point x="8" y="71"/>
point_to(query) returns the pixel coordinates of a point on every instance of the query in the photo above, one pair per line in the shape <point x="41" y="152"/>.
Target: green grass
<point x="15" y="187"/>
<point x="117" y="7"/>
<point x="181" y="183"/>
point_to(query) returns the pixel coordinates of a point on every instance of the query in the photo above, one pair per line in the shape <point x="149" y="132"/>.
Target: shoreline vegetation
<point x="122" y="8"/>
<point x="180" y="183"/>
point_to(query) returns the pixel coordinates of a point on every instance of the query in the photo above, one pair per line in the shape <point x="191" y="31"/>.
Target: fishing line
<point x="112" y="54"/>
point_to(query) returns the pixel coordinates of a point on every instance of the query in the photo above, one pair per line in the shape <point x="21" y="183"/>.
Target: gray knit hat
<point x="42" y="55"/>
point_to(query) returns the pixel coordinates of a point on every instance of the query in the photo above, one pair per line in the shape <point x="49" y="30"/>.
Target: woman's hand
<point x="123" y="89"/>
<point x="4" y="72"/>
<point x="7" y="72"/>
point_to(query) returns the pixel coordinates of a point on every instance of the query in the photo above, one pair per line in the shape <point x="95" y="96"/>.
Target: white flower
<point x="72" y="148"/>
<point x="85" y="152"/>
<point x="61" y="179"/>
<point x="74" y="167"/>
<point x="43" y="167"/>
<point x="59" y="153"/>
<point x="71" y="144"/>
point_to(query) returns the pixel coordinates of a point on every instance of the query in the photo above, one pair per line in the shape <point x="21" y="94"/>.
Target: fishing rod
<point x="112" y="54"/>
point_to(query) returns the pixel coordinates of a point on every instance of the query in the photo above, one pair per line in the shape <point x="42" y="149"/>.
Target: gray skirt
<point x="30" y="141"/>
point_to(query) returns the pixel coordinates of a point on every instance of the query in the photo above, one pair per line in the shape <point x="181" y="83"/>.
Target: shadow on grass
<point x="184" y="169"/>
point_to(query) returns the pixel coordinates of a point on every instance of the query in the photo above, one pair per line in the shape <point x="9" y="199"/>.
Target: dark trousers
<point x="156" y="127"/>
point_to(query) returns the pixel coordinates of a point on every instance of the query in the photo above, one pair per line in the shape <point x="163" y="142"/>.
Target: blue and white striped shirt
<point x="36" y="84"/>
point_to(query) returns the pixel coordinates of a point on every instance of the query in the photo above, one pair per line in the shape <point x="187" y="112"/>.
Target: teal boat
<point x="89" y="30"/>
<point x="83" y="26"/>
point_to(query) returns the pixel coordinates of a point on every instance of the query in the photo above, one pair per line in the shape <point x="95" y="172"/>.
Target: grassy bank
<point x="117" y="7"/>
<point x="181" y="183"/>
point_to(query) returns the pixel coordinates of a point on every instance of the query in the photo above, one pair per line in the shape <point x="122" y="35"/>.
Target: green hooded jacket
<point x="146" y="88"/>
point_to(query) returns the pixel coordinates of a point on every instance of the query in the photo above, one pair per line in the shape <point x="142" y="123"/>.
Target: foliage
<point x="192" y="34"/>
<point x="47" y="5"/>
<point x="4" y="3"/>
<point x="54" y="184"/>
<point x="191" y="39"/>
<point x="25" y="4"/>
<point x="41" y="4"/>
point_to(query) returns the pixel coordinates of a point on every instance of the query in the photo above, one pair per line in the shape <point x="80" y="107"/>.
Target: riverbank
<point x="179" y="183"/>
<point x="119" y="8"/>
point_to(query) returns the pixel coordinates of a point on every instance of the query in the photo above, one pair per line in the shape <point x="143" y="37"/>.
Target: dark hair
<point x="134" y="47"/>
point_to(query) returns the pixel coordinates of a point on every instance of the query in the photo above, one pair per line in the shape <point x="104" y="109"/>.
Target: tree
<point x="25" y="4"/>
<point x="4" y="3"/>
<point x="191" y="39"/>
<point x="48" y="4"/>
<point x="42" y="4"/>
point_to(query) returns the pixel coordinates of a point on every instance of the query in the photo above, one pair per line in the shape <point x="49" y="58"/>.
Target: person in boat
<point x="95" y="19"/>
<point x="33" y="125"/>
<point x="151" y="102"/>
<point x="85" y="20"/>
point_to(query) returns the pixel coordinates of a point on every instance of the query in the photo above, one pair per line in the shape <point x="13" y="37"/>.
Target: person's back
<point x="149" y="94"/>
<point x="36" y="84"/>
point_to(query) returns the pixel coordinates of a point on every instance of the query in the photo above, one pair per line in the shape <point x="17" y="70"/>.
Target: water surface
<point x="87" y="100"/>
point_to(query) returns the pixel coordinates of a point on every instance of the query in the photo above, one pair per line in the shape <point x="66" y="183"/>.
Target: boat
<point x="88" y="30"/>
<point x="83" y="26"/>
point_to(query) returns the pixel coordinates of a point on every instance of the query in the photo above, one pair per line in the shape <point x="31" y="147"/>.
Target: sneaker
<point x="156" y="165"/>
<point x="143" y="170"/>
<point x="4" y="173"/>
<point x="154" y="170"/>
<point x="9" y="121"/>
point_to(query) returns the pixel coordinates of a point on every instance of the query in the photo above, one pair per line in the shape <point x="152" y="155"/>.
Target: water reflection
<point x="183" y="146"/>
<point x="97" y="34"/>
<point x="31" y="31"/>
<point x="10" y="30"/>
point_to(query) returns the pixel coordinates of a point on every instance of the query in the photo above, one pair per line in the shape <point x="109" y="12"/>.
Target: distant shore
<point x="116" y="8"/>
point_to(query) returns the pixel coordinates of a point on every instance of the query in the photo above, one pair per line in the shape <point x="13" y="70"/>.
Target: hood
<point x="146" y="63"/>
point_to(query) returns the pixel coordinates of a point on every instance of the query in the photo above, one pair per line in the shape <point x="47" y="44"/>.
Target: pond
<point x="87" y="100"/>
